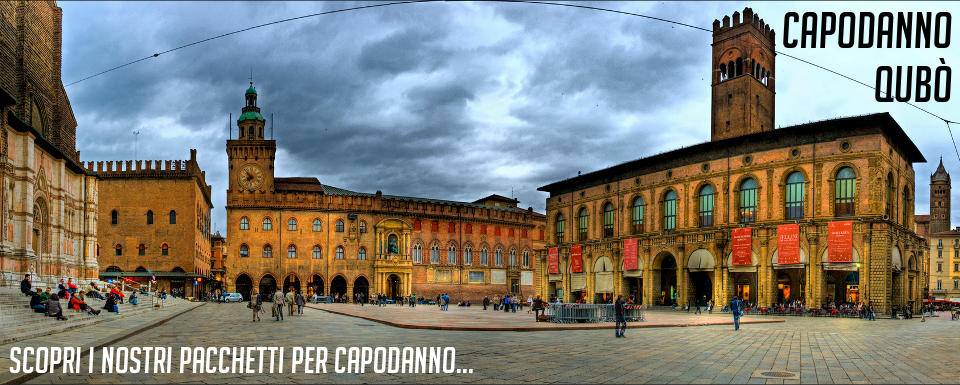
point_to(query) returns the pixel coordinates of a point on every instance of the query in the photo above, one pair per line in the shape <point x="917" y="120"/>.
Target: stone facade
<point x="945" y="265"/>
<point x="49" y="202"/>
<point x="683" y="205"/>
<point x="297" y="232"/>
<point x="155" y="221"/>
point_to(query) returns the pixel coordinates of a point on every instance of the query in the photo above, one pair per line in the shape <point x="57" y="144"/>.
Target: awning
<point x="701" y="260"/>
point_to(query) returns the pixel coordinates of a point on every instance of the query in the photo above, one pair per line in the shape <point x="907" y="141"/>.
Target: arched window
<point x="292" y="224"/>
<point x="244" y="251"/>
<point x="723" y="72"/>
<point x="317" y="252"/>
<point x="636" y="213"/>
<point x="291" y="251"/>
<point x="608" y="219"/>
<point x="705" y="204"/>
<point x="317" y="226"/>
<point x="526" y="258"/>
<point x="739" y="66"/>
<point x="559" y="228"/>
<point x="362" y="253"/>
<point x="244" y="223"/>
<point x="907" y="205"/>
<point x="142" y="249"/>
<point x="339" y="225"/>
<point x="452" y="255"/>
<point x="513" y="257"/>
<point x="793" y="205"/>
<point x="467" y="256"/>
<point x="149" y="217"/>
<point x="119" y="250"/>
<point x="164" y="250"/>
<point x="845" y="187"/>
<point x="417" y="253"/>
<point x="582" y="224"/>
<point x="434" y="254"/>
<point x="670" y="211"/>
<point x="363" y="227"/>
<point x="339" y="252"/>
<point x="267" y="251"/>
<point x="267" y="224"/>
<point x="748" y="201"/>
<point x="483" y="256"/>
<point x="498" y="257"/>
<point x="114" y="217"/>
<point x="173" y="217"/>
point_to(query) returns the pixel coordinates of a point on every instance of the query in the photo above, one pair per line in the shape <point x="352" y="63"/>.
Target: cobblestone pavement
<point x="475" y="318"/>
<point x="818" y="350"/>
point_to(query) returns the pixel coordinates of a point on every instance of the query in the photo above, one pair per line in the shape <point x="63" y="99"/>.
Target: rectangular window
<point x="956" y="253"/>
<point x="670" y="214"/>
<point x="939" y="267"/>
<point x="483" y="229"/>
<point x="467" y="256"/>
<point x="511" y="231"/>
<point x="476" y="277"/>
<point x="469" y="229"/>
<point x="434" y="226"/>
<point x="452" y="256"/>
<point x="956" y="267"/>
<point x="939" y="253"/>
<point x="496" y="230"/>
<point x="939" y="285"/>
<point x="637" y="215"/>
<point x="844" y="205"/>
<point x="541" y="235"/>
<point x="706" y="210"/>
<point x="452" y="228"/>
<point x="582" y="223"/>
<point x="523" y="234"/>
<point x="794" y="202"/>
<point x="748" y="205"/>
<point x="416" y="225"/>
<point x="956" y="284"/>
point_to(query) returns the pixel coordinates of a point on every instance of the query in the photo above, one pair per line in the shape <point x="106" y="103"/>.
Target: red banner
<point x="630" y="254"/>
<point x="840" y="241"/>
<point x="576" y="259"/>
<point x="553" y="260"/>
<point x="742" y="246"/>
<point x="788" y="244"/>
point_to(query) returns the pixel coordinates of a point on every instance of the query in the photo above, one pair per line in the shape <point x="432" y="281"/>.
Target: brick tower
<point x="743" y="76"/>
<point x="939" y="200"/>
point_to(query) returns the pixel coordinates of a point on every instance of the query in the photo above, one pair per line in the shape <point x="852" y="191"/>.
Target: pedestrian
<point x="538" y="308"/>
<point x="486" y="302"/>
<point x="513" y="304"/>
<point x="529" y="304"/>
<point x="255" y="305"/>
<point x="25" y="285"/>
<point x="736" y="309"/>
<point x="710" y="306"/>
<point x="621" y="327"/>
<point x="300" y="301"/>
<point x="278" y="302"/>
<point x="506" y="303"/>
<point x="290" y="300"/>
<point x="698" y="307"/>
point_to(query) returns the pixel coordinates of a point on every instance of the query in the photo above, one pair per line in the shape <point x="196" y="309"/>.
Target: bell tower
<point x="250" y="156"/>
<point x="743" y="76"/>
<point x="939" y="200"/>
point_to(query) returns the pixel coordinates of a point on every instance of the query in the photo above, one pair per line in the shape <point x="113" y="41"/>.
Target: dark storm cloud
<point x="445" y="100"/>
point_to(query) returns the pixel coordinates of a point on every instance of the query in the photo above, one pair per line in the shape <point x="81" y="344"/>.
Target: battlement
<point x="749" y="18"/>
<point x="161" y="169"/>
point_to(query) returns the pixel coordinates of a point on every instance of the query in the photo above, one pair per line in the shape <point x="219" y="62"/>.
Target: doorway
<point x="668" y="281"/>
<point x="338" y="288"/>
<point x="393" y="286"/>
<point x="361" y="288"/>
<point x="268" y="285"/>
<point x="243" y="286"/>
<point x="291" y="282"/>
<point x="702" y="287"/>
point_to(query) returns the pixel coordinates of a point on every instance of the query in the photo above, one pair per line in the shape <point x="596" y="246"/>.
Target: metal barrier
<point x="590" y="313"/>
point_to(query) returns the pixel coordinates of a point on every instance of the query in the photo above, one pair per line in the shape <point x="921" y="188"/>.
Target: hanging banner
<point x="553" y="261"/>
<point x="576" y="258"/>
<point x="788" y="244"/>
<point x="840" y="241"/>
<point x="742" y="246"/>
<point x="630" y="254"/>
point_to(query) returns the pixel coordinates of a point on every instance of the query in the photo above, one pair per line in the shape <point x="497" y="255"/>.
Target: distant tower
<point x="939" y="200"/>
<point x="251" y="122"/>
<point x="743" y="81"/>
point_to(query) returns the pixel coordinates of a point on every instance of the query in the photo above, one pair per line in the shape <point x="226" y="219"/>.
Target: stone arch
<point x="896" y="259"/>
<point x="292" y="280"/>
<point x="701" y="260"/>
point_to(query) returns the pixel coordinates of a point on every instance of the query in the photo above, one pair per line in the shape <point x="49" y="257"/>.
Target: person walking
<point x="506" y="303"/>
<point x="278" y="302"/>
<point x="290" y="299"/>
<point x="618" y="311"/>
<point x="710" y="306"/>
<point x="538" y="308"/>
<point x="300" y="300"/>
<point x="486" y="302"/>
<point x="698" y="308"/>
<point x="255" y="305"/>
<point x="736" y="308"/>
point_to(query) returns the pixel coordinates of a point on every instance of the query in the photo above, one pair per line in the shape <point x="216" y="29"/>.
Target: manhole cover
<point x="773" y="374"/>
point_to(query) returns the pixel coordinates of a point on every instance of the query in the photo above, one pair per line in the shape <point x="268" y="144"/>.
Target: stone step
<point x="43" y="325"/>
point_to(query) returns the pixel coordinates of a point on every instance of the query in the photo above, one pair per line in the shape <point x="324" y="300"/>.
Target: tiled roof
<point x="948" y="233"/>
<point x="921" y="218"/>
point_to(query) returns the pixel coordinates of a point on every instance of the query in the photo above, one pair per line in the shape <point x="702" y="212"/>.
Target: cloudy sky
<point x="449" y="100"/>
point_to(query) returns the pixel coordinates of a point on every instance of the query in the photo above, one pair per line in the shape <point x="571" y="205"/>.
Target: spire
<point x="941" y="175"/>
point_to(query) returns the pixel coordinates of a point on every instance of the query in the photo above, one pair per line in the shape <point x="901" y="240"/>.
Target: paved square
<point x="820" y="350"/>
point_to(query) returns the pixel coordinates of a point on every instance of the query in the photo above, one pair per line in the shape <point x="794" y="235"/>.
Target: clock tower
<point x="250" y="155"/>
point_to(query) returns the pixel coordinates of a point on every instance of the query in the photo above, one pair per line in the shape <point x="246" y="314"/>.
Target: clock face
<point x="250" y="177"/>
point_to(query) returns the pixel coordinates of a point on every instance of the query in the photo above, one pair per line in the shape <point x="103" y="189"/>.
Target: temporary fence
<point x="589" y="313"/>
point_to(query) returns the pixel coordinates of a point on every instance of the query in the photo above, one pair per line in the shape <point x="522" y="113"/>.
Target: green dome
<point x="252" y="90"/>
<point x="251" y="115"/>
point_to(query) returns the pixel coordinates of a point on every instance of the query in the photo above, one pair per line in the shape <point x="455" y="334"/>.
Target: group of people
<point x="293" y="301"/>
<point x="507" y="303"/>
<point x="443" y="301"/>
<point x="48" y="302"/>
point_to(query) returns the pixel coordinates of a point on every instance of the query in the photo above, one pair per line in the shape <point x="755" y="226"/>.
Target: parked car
<point x="233" y="297"/>
<point x="324" y="299"/>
